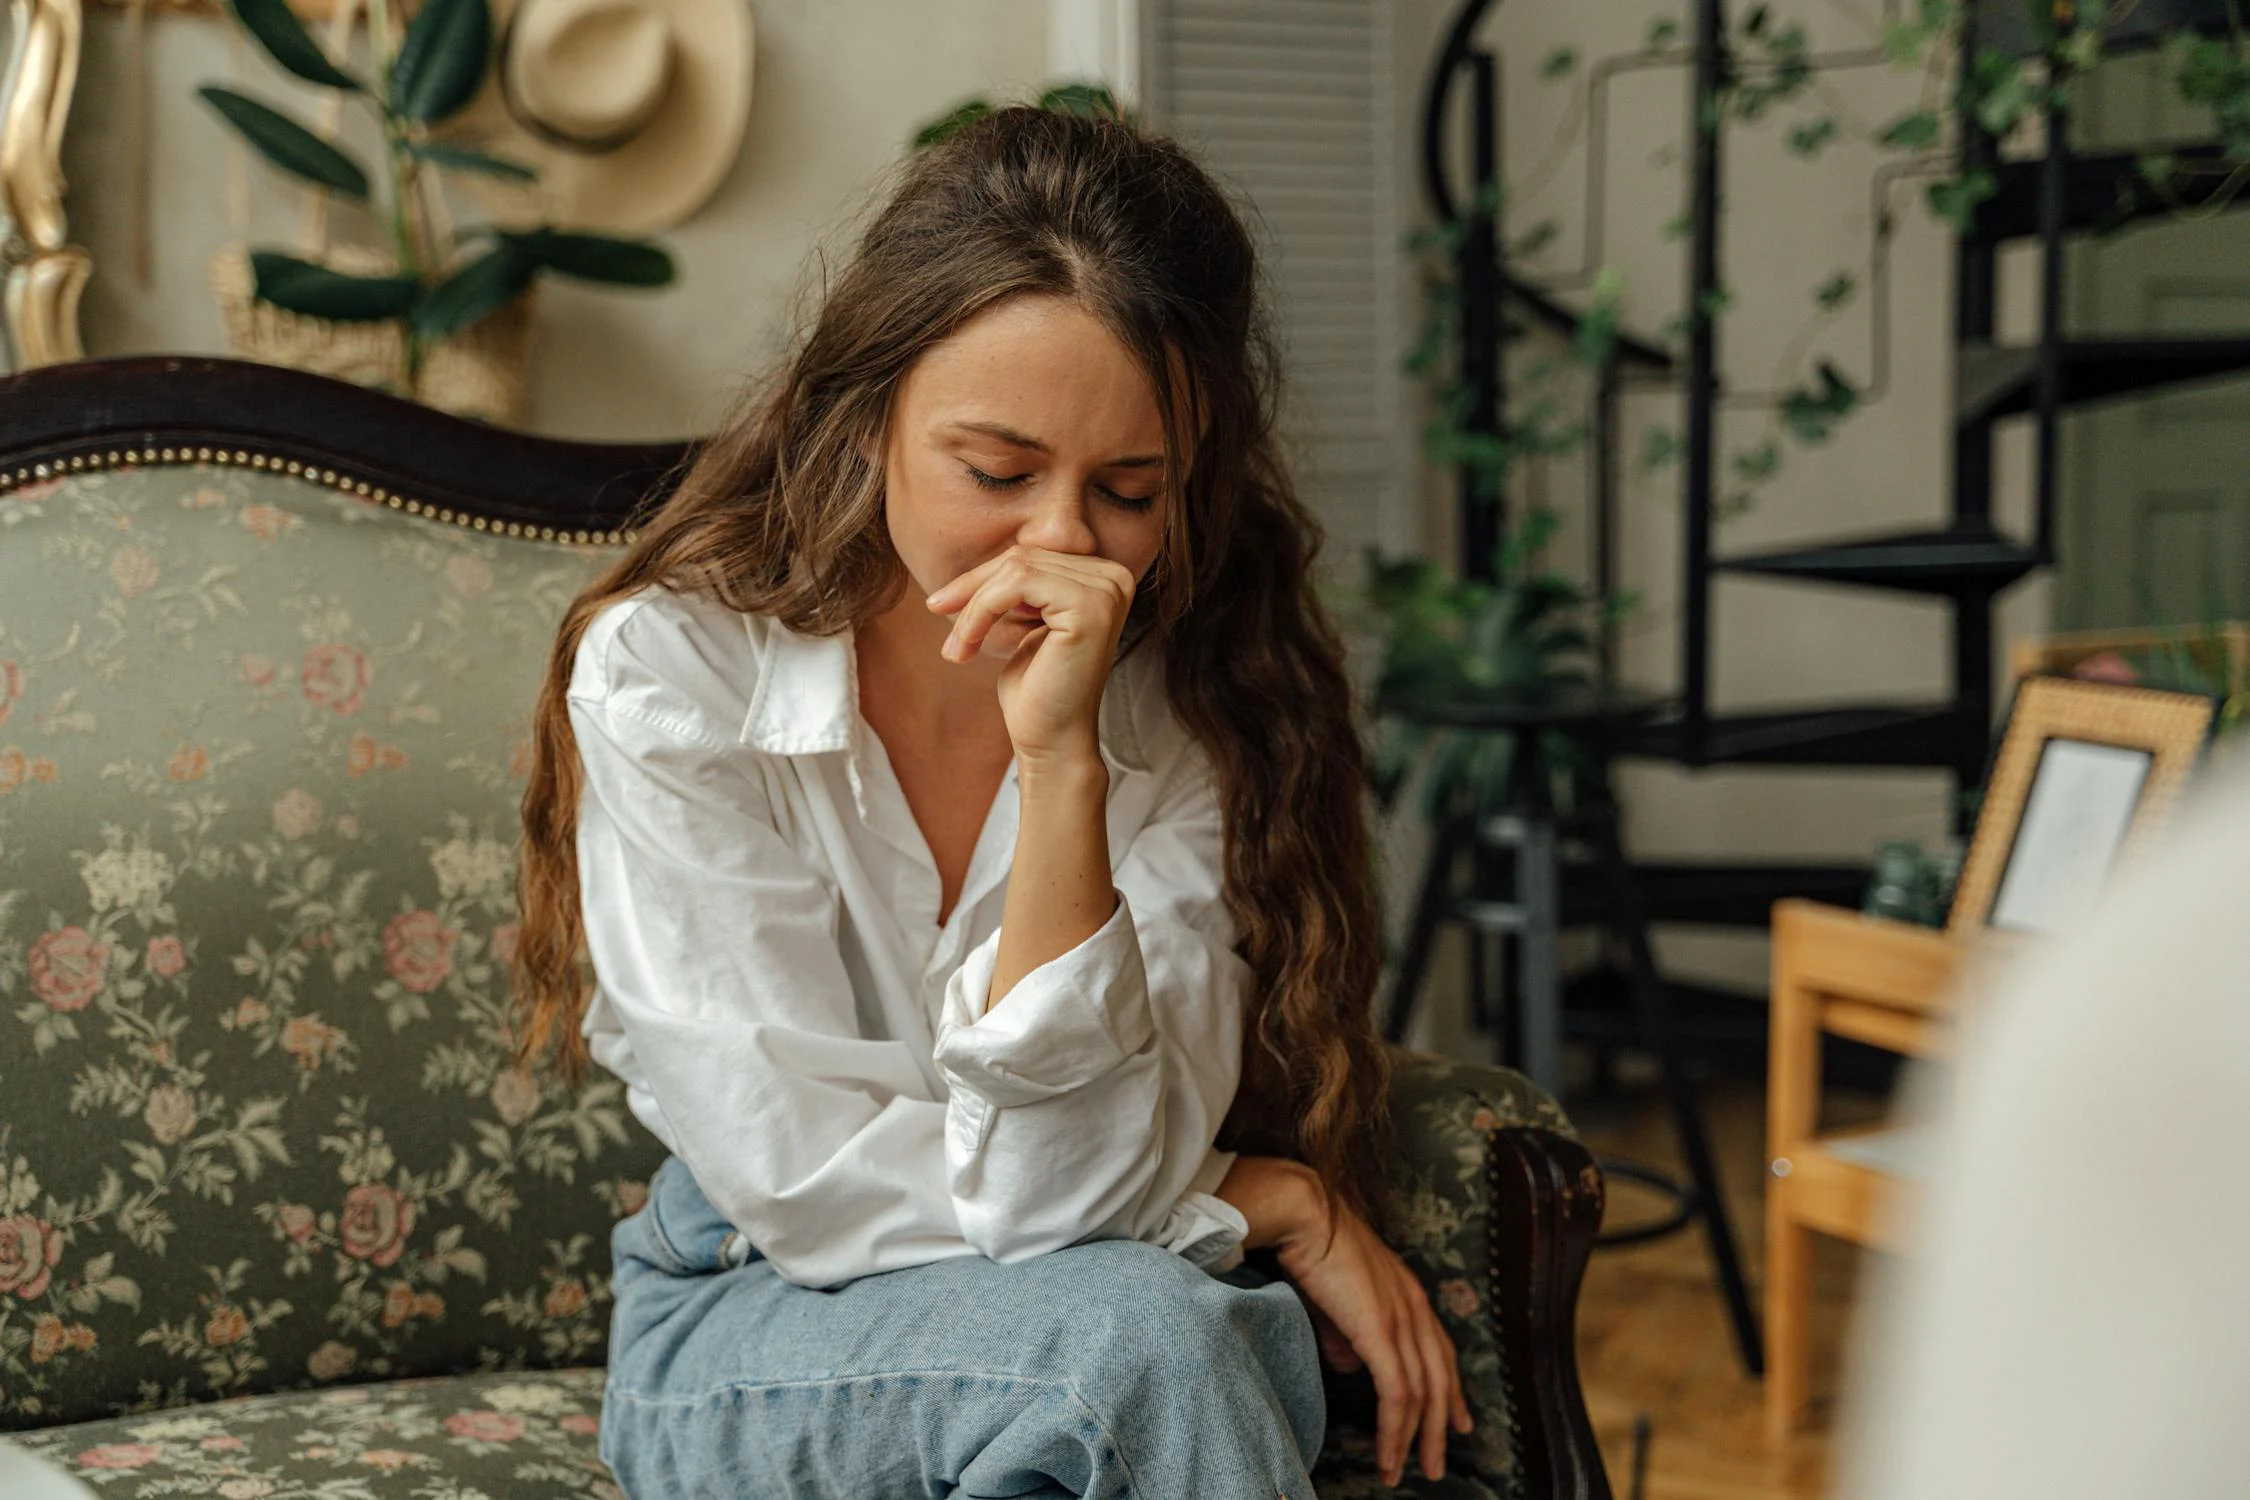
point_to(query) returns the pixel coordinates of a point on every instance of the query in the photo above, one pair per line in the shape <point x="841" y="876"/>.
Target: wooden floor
<point x="1653" y="1336"/>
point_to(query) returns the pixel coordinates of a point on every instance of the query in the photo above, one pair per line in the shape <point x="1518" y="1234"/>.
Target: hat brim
<point x="654" y="181"/>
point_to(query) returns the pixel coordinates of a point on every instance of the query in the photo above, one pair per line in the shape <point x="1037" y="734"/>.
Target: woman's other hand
<point x="1072" y="611"/>
<point x="1371" y="1311"/>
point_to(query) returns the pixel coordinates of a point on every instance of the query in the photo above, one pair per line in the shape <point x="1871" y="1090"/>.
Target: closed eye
<point x="1137" y="504"/>
<point x="995" y="481"/>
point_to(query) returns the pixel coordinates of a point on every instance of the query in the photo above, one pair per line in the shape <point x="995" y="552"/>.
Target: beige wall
<point x="839" y="89"/>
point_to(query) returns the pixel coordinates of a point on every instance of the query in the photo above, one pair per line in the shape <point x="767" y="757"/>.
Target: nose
<point x="1058" y="521"/>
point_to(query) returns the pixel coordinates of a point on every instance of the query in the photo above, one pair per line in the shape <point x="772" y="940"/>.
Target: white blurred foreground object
<point x="23" y="1477"/>
<point x="2075" y="1318"/>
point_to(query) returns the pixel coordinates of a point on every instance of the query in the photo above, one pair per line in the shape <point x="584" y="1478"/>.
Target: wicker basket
<point x="478" y="372"/>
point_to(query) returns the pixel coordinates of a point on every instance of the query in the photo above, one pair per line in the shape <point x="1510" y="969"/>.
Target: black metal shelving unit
<point x="1969" y="561"/>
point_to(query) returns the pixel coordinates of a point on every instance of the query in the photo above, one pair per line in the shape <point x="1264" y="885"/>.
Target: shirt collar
<point x="807" y="698"/>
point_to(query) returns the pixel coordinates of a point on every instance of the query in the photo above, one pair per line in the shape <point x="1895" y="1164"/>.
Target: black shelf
<point x="2002" y="380"/>
<point x="1961" y="563"/>
<point x="2103" y="193"/>
<point x="1933" y="734"/>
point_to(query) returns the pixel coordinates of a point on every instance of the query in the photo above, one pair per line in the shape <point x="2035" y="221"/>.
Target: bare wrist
<point x="1279" y="1198"/>
<point x="1065" y="775"/>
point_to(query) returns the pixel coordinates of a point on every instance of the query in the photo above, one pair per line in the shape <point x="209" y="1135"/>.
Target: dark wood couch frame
<point x="1546" y="1191"/>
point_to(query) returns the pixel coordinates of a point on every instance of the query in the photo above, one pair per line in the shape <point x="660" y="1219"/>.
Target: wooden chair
<point x="1889" y="984"/>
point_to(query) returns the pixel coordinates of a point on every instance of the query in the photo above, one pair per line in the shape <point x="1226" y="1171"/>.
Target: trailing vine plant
<point x="1527" y="632"/>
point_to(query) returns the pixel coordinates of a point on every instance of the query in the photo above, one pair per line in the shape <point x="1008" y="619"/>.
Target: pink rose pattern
<point x="418" y="950"/>
<point x="335" y="676"/>
<point x="374" y="1224"/>
<point x="29" y="1248"/>
<point x="121" y="1456"/>
<point x="279" y="967"/>
<point x="485" y="1426"/>
<point x="69" y="967"/>
<point x="166" y="956"/>
<point x="432" y="1436"/>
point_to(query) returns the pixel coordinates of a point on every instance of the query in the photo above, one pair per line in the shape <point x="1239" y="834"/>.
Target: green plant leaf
<point x="475" y="291"/>
<point x="1911" y="132"/>
<point x="1534" y="239"/>
<point x="1809" y="138"/>
<point x="964" y="113"/>
<point x="1088" y="99"/>
<point x="1660" y="446"/>
<point x="1756" y="465"/>
<point x="461" y="159"/>
<point x="1835" y="291"/>
<point x="2005" y="98"/>
<point x="441" y="60"/>
<point x="594" y="257"/>
<point x="1811" y="413"/>
<point x="276" y="28"/>
<point x="1955" y="199"/>
<point x="287" y="144"/>
<point x="1560" y="63"/>
<point x="1662" y="33"/>
<point x="302" y="287"/>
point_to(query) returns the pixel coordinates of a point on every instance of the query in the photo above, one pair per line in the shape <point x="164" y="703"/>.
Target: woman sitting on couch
<point x="954" y="794"/>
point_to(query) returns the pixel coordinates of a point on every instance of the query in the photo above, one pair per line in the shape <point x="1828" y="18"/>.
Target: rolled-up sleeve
<point x="1084" y="1104"/>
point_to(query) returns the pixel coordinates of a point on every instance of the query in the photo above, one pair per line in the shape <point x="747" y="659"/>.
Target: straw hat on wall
<point x="630" y="111"/>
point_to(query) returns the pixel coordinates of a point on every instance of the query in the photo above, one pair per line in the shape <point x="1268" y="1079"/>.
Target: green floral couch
<point x="278" y="1216"/>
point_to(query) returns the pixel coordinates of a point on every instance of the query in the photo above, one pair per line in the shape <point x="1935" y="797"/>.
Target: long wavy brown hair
<point x="781" y="514"/>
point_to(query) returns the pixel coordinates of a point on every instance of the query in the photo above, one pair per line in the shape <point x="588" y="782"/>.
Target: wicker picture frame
<point x="2133" y="748"/>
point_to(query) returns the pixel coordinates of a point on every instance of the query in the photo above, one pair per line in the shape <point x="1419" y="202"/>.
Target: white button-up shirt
<point x="791" y="1019"/>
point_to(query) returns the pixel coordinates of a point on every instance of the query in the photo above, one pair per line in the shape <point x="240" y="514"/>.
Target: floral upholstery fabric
<point x="532" y="1436"/>
<point x="261" y="749"/>
<point x="511" y="1434"/>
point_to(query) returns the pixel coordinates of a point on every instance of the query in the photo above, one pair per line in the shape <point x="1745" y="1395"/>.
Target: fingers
<point x="1441" y="1384"/>
<point x="1398" y="1399"/>
<point x="1092" y="593"/>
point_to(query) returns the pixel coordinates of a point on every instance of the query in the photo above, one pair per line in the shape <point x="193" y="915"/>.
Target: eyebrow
<point x="1022" y="440"/>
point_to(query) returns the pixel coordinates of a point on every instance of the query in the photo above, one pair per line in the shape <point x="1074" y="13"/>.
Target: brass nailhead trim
<point x="122" y="457"/>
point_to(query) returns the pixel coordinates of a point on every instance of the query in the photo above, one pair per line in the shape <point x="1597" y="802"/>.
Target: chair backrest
<point x="268" y="649"/>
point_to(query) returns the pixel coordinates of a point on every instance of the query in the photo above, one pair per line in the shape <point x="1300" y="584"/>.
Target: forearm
<point x="1279" y="1198"/>
<point x="1060" y="890"/>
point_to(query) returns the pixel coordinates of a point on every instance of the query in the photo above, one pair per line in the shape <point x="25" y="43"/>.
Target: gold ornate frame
<point x="45" y="272"/>
<point x="2172" y="727"/>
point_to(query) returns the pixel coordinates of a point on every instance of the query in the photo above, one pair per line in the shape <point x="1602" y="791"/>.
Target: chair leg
<point x="1789" y="1255"/>
<point x="1652" y="1007"/>
<point x="1429" y="910"/>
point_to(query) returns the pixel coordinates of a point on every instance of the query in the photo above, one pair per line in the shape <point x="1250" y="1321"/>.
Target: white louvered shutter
<point x="1291" y="103"/>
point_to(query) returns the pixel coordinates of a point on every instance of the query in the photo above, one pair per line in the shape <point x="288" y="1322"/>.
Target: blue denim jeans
<point x="1113" y="1369"/>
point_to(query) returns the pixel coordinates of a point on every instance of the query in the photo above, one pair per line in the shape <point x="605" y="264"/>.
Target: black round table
<point x="1534" y="834"/>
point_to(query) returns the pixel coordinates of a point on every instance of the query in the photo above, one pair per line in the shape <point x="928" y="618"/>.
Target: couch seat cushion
<point x="508" y="1436"/>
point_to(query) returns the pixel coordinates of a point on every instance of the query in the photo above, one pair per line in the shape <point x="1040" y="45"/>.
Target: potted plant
<point x="1525" y="635"/>
<point x="394" y="319"/>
